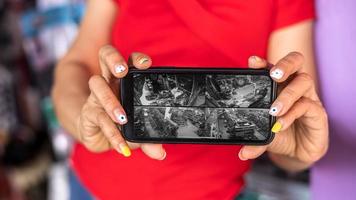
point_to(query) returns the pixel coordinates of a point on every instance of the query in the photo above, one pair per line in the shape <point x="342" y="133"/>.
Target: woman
<point x="186" y="33"/>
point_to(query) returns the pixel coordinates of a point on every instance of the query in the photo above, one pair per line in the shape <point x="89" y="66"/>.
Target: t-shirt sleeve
<point x="288" y="12"/>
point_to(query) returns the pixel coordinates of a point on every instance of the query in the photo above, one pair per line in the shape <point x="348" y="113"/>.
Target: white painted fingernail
<point x="275" y="109"/>
<point x="277" y="74"/>
<point x="121" y="118"/>
<point x="119" y="68"/>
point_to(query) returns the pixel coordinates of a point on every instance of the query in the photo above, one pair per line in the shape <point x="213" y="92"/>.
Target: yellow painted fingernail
<point x="125" y="150"/>
<point x="276" y="127"/>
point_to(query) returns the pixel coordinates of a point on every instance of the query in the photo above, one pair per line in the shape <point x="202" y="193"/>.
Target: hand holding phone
<point x="302" y="125"/>
<point x="102" y="111"/>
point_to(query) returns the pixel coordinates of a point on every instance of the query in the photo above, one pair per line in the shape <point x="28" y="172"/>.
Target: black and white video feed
<point x="202" y="106"/>
<point x="243" y="91"/>
<point x="169" y="122"/>
<point x="233" y="123"/>
<point x="169" y="90"/>
<point x="193" y="123"/>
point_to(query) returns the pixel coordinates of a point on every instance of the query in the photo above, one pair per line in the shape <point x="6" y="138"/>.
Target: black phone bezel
<point x="126" y="97"/>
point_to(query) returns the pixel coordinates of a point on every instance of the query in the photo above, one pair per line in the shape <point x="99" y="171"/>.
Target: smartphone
<point x="198" y="105"/>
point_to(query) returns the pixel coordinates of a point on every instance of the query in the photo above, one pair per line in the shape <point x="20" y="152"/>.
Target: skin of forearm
<point x="69" y="93"/>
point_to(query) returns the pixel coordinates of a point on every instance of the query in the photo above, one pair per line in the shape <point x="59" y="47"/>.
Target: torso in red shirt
<point x="199" y="33"/>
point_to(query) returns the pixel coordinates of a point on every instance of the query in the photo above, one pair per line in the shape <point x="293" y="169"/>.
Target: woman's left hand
<point x="302" y="125"/>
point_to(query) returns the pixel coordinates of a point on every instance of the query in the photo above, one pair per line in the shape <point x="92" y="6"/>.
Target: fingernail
<point x="241" y="157"/>
<point x="256" y="58"/>
<point x="276" y="127"/>
<point x="253" y="60"/>
<point x="119" y="68"/>
<point x="120" y="116"/>
<point x="142" y="60"/>
<point x="125" y="150"/>
<point x="275" y="109"/>
<point x="164" y="156"/>
<point x="277" y="73"/>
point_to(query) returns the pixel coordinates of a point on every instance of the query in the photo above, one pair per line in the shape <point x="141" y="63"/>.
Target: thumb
<point x="154" y="151"/>
<point x="251" y="152"/>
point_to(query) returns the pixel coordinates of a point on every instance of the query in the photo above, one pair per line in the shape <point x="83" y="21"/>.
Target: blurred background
<point x="34" y="149"/>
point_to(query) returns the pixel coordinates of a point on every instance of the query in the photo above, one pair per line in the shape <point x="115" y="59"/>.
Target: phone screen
<point x="196" y="106"/>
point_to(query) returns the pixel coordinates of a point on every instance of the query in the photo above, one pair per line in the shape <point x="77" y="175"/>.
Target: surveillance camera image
<point x="238" y="91"/>
<point x="194" y="106"/>
<point x="169" y="90"/>
<point x="170" y="122"/>
<point x="233" y="123"/>
<point x="213" y="123"/>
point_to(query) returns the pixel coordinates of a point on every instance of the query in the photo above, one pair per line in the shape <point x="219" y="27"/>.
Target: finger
<point x="140" y="60"/>
<point x="103" y="93"/>
<point x="303" y="107"/>
<point x="298" y="87"/>
<point x="112" y="64"/>
<point x="287" y="66"/>
<point x="113" y="134"/>
<point x="256" y="62"/>
<point x="154" y="151"/>
<point x="133" y="145"/>
<point x="251" y="152"/>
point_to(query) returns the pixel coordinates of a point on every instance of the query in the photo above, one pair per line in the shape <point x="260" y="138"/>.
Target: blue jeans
<point x="77" y="190"/>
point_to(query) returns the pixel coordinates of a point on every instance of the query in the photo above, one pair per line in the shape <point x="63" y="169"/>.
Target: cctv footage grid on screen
<point x="210" y="106"/>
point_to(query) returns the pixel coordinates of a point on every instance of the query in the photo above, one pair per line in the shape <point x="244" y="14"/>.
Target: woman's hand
<point x="302" y="126"/>
<point x="97" y="123"/>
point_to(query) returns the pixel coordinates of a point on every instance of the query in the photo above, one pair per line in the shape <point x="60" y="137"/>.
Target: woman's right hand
<point x="97" y="123"/>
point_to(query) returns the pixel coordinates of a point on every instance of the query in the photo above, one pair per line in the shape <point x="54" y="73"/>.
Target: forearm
<point x="70" y="92"/>
<point x="288" y="163"/>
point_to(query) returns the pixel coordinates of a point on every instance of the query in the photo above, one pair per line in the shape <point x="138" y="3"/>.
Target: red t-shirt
<point x="186" y="33"/>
